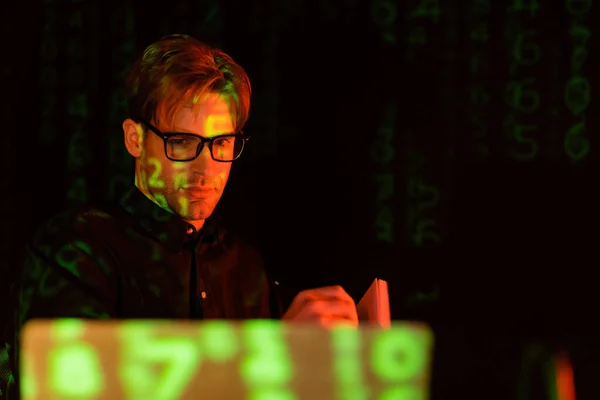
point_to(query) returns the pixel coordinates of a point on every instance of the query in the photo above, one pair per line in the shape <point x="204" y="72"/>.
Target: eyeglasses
<point x="181" y="146"/>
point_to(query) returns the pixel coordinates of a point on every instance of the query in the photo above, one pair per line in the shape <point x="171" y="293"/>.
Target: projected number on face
<point x="155" y="180"/>
<point x="578" y="86"/>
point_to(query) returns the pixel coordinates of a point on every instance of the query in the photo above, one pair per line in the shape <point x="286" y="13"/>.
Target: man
<point x="158" y="253"/>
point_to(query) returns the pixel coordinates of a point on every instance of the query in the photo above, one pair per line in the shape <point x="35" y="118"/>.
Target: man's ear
<point x="133" y="136"/>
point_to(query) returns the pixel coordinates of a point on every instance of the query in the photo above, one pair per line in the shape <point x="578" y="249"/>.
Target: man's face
<point x="190" y="189"/>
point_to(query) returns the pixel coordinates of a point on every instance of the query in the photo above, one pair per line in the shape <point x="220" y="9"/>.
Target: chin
<point x="199" y="211"/>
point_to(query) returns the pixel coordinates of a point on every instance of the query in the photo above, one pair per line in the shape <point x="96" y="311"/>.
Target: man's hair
<point x="178" y="70"/>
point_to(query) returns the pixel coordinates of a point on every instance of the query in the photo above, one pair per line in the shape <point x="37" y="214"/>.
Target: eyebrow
<point x="181" y="130"/>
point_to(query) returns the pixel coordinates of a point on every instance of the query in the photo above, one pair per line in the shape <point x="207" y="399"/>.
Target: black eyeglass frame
<point x="165" y="136"/>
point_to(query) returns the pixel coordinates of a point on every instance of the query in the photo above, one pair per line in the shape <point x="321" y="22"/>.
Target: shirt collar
<point x="168" y="228"/>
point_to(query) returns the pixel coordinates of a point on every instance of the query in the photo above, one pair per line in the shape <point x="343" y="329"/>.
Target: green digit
<point x="75" y="371"/>
<point x="184" y="206"/>
<point x="577" y="145"/>
<point x="577" y="94"/>
<point x="220" y="341"/>
<point x="155" y="180"/>
<point x="144" y="353"/>
<point x="348" y="364"/>
<point x="398" y="355"/>
<point x="267" y="364"/>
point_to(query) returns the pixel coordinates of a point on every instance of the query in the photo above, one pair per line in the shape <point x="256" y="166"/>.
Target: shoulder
<point x="72" y="237"/>
<point x="71" y="224"/>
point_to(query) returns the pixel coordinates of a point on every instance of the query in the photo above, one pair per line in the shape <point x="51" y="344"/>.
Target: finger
<point x="326" y="293"/>
<point x="334" y="309"/>
<point x="332" y="291"/>
<point x="330" y="322"/>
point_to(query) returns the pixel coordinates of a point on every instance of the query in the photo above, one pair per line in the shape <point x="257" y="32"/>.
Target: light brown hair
<point x="176" y="71"/>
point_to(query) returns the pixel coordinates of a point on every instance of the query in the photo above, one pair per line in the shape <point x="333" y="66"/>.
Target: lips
<point x="200" y="192"/>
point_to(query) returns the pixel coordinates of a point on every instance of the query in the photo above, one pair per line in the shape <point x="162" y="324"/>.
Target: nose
<point x="204" y="163"/>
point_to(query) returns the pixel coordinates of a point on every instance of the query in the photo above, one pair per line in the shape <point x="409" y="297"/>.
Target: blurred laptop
<point x="168" y="360"/>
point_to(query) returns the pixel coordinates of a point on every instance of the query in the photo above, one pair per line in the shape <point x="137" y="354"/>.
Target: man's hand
<point x="327" y="306"/>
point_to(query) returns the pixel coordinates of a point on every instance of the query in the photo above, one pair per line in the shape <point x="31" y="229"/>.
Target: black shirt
<point x="136" y="260"/>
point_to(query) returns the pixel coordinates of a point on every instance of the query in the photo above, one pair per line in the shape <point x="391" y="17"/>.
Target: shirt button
<point x="190" y="230"/>
<point x="203" y="295"/>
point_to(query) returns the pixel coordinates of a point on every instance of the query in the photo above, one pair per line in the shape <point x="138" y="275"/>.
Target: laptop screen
<point x="258" y="359"/>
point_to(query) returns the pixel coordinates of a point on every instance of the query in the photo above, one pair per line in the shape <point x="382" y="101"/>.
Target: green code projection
<point x="522" y="91"/>
<point x="465" y="82"/>
<point x="578" y="88"/>
<point x="383" y="152"/>
<point x="428" y="29"/>
<point x="161" y="360"/>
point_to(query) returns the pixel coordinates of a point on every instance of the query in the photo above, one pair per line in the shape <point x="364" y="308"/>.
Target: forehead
<point x="209" y="115"/>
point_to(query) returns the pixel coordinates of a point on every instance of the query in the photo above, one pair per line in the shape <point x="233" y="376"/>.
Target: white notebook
<point x="374" y="307"/>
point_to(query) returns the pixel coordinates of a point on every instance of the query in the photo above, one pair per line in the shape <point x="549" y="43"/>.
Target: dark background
<point x="449" y="147"/>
